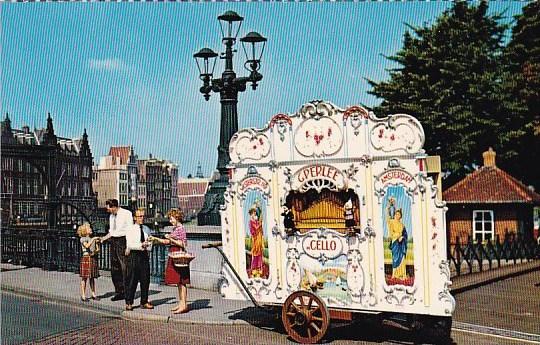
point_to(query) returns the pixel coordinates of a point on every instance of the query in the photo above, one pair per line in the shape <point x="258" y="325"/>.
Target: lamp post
<point x="228" y="87"/>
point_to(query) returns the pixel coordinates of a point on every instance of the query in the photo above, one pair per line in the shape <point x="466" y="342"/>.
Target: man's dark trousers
<point x="119" y="264"/>
<point x="138" y="271"/>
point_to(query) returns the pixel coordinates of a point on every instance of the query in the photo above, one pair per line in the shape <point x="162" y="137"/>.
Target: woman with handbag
<point x="174" y="275"/>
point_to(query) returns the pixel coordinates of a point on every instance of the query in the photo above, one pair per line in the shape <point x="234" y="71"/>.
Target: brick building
<point x="191" y="192"/>
<point x="489" y="202"/>
<point x="158" y="178"/>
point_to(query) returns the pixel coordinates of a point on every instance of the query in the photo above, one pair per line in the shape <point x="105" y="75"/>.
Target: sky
<point x="126" y="72"/>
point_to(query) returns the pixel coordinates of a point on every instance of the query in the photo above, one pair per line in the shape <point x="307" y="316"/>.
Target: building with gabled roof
<point x="39" y="167"/>
<point x="191" y="193"/>
<point x="489" y="202"/>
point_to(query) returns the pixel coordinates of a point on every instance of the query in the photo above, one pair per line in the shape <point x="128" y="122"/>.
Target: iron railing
<point x="60" y="251"/>
<point x="473" y="256"/>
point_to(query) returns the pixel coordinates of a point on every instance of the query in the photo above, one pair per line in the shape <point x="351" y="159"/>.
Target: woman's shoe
<point x="84" y="299"/>
<point x="175" y="308"/>
<point x="95" y="298"/>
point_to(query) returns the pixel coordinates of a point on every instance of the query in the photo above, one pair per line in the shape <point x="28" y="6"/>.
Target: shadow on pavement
<point x="161" y="301"/>
<point x="378" y="331"/>
<point x="106" y="295"/>
<point x="14" y="269"/>
<point x="368" y="329"/>
<point x="199" y="304"/>
<point x="256" y="317"/>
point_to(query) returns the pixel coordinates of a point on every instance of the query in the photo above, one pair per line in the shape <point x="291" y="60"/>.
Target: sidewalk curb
<point x="127" y="315"/>
<point x="71" y="301"/>
<point x="533" y="267"/>
<point x="137" y="316"/>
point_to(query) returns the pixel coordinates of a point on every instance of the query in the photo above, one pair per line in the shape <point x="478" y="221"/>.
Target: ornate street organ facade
<point x="339" y="202"/>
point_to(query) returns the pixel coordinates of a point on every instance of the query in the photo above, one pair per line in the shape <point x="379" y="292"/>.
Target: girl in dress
<point x="89" y="269"/>
<point x="178" y="276"/>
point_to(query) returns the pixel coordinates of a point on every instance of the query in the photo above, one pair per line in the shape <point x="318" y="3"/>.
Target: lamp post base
<point x="209" y="215"/>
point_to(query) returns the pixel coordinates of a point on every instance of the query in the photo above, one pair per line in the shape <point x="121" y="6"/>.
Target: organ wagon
<point x="330" y="213"/>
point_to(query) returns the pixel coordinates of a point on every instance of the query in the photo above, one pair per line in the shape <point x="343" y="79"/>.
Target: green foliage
<point x="448" y="77"/>
<point x="520" y="98"/>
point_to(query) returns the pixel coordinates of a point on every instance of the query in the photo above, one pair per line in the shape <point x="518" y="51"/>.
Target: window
<point x="483" y="225"/>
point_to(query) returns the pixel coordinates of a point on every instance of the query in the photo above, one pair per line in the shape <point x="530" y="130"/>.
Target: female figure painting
<point x="256" y="246"/>
<point x="399" y="265"/>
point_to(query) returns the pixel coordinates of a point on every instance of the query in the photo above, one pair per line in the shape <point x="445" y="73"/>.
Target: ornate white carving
<point x="259" y="287"/>
<point x="356" y="114"/>
<point x="445" y="295"/>
<point x="399" y="294"/>
<point x="397" y="132"/>
<point x="355" y="275"/>
<point x="248" y="144"/>
<point x="317" y="109"/>
<point x="282" y="122"/>
<point x="316" y="137"/>
<point x="293" y="274"/>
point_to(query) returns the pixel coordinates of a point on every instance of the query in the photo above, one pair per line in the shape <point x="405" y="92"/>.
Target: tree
<point x="520" y="91"/>
<point x="447" y="78"/>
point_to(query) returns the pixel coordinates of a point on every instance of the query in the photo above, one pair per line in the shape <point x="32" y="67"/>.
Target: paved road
<point x="26" y="319"/>
<point x="503" y="313"/>
<point x="512" y="303"/>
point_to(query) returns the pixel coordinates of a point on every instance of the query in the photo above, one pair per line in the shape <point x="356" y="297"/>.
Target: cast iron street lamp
<point x="228" y="87"/>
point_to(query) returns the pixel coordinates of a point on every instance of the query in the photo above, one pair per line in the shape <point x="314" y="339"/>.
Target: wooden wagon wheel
<point x="305" y="317"/>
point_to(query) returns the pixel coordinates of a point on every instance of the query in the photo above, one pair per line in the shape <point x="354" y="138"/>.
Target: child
<point x="89" y="266"/>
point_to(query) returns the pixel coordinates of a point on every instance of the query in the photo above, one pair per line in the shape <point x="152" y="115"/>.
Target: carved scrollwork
<point x="399" y="294"/>
<point x="293" y="271"/>
<point x="356" y="114"/>
<point x="248" y="144"/>
<point x="318" y="137"/>
<point x="445" y="295"/>
<point x="355" y="275"/>
<point x="397" y="132"/>
<point x="281" y="122"/>
<point x="317" y="109"/>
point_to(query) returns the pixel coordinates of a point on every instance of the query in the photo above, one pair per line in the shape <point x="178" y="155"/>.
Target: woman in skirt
<point x="178" y="276"/>
<point x="89" y="267"/>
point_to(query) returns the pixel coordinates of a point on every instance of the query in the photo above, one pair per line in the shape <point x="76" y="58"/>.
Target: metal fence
<point x="474" y="256"/>
<point x="57" y="250"/>
<point x="53" y="250"/>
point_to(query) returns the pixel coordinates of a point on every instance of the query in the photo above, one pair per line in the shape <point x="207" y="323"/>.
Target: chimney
<point x="489" y="158"/>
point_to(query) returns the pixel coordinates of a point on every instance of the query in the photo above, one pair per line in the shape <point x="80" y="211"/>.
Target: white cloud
<point x="109" y="64"/>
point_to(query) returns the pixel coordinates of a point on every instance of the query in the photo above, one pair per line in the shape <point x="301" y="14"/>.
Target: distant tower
<point x="7" y="133"/>
<point x="199" y="171"/>
<point x="49" y="138"/>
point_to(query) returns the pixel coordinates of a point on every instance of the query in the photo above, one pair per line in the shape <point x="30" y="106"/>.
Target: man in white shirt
<point x="120" y="221"/>
<point x="138" y="254"/>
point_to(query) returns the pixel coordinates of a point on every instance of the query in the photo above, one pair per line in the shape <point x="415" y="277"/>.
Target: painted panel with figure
<point x="256" y="235"/>
<point x="398" y="239"/>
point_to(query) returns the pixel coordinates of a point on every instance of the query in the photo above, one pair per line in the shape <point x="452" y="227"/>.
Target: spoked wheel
<point x="305" y="317"/>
